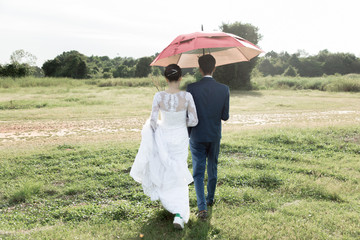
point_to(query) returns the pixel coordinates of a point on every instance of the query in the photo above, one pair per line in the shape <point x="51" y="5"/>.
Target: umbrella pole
<point x="202" y="29"/>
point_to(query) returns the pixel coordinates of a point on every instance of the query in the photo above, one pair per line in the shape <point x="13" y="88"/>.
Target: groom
<point x="212" y="105"/>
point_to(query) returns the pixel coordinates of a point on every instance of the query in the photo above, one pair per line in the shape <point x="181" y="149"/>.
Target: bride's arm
<point x="192" y="119"/>
<point x="155" y="111"/>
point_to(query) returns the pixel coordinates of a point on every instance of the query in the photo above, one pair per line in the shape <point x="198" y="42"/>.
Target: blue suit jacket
<point x="212" y="105"/>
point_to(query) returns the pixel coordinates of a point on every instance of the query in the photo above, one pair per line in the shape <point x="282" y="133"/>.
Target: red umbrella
<point x="225" y="47"/>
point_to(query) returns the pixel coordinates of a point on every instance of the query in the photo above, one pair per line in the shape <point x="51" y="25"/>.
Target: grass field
<point x="289" y="165"/>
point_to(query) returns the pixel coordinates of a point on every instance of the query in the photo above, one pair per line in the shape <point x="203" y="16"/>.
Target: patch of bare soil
<point x="30" y="130"/>
<point x="263" y="119"/>
<point x="129" y="128"/>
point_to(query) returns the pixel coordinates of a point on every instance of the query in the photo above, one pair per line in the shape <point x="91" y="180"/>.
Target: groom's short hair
<point x="207" y="63"/>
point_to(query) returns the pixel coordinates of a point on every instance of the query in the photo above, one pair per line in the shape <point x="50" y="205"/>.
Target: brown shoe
<point x="202" y="215"/>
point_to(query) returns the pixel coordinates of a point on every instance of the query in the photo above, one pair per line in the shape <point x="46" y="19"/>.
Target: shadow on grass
<point x="160" y="226"/>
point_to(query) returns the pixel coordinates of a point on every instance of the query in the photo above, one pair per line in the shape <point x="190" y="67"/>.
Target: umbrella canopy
<point x="225" y="47"/>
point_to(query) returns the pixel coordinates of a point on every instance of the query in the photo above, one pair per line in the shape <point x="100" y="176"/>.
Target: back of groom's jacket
<point x="212" y="105"/>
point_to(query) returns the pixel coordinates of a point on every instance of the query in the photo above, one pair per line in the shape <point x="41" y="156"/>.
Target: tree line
<point x="73" y="64"/>
<point x="303" y="65"/>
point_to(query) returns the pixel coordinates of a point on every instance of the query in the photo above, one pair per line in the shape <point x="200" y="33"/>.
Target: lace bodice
<point x="176" y="109"/>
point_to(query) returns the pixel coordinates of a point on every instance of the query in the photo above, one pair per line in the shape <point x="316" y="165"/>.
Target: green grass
<point x="28" y="82"/>
<point x="335" y="83"/>
<point x="39" y="82"/>
<point x="292" y="180"/>
<point x="82" y="102"/>
<point x="287" y="183"/>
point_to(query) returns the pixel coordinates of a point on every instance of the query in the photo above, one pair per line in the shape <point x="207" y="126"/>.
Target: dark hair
<point x="207" y="63"/>
<point x="172" y="72"/>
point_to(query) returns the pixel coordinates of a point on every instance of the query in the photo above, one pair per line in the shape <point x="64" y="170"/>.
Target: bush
<point x="15" y="70"/>
<point x="344" y="85"/>
<point x="334" y="83"/>
<point x="287" y="83"/>
<point x="126" y="82"/>
<point x="107" y="75"/>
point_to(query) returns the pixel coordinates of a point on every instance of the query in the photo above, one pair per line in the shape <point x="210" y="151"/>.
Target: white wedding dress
<point x="161" y="162"/>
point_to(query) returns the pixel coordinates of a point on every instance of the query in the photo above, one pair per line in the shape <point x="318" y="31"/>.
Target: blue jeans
<point x="200" y="151"/>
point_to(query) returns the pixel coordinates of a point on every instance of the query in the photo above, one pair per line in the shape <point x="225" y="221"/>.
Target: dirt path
<point x="31" y="130"/>
<point x="23" y="131"/>
<point x="328" y="117"/>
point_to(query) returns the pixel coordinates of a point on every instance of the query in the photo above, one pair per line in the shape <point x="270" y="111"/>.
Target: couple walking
<point x="161" y="162"/>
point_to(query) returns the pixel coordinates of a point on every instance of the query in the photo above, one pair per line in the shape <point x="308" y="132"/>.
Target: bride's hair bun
<point x="172" y="72"/>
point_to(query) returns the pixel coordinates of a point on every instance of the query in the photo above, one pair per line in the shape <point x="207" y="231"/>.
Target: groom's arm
<point x="189" y="128"/>
<point x="225" y="112"/>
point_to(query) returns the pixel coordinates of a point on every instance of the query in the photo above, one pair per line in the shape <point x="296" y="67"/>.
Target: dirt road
<point x="129" y="128"/>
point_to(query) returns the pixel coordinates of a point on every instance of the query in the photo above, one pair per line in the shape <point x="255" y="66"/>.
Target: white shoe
<point x="178" y="222"/>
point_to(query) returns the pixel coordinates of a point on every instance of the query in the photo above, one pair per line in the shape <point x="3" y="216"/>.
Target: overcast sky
<point x="138" y="28"/>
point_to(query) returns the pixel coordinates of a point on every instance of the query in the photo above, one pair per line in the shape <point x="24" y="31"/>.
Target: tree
<point x="342" y="63"/>
<point x="290" y="72"/>
<point x="143" y="68"/>
<point x="157" y="71"/>
<point x="237" y="75"/>
<point x="22" y="57"/>
<point x="294" y="61"/>
<point x="247" y="31"/>
<point x="70" y="64"/>
<point x="284" y="57"/>
<point x="123" y="71"/>
<point x="271" y="54"/>
<point x="15" y="70"/>
<point x="21" y="64"/>
<point x="266" y="67"/>
<point x="82" y="70"/>
<point x="36" y="72"/>
<point x="130" y="62"/>
<point x="310" y="67"/>
<point x="50" y="67"/>
<point x="302" y="53"/>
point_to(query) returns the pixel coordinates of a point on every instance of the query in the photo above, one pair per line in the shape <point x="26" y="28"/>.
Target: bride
<point x="161" y="162"/>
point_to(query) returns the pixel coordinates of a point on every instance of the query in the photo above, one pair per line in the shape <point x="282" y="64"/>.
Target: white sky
<point x="138" y="28"/>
